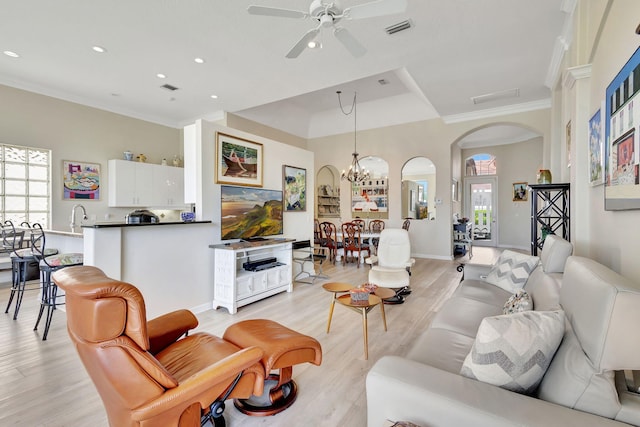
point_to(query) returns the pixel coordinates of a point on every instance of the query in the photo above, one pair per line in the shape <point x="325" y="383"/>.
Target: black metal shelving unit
<point x="549" y="213"/>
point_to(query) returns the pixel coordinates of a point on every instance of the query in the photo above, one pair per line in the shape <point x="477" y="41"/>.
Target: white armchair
<point x="391" y="267"/>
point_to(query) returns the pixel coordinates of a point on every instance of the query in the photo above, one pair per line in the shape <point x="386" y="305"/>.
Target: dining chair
<point x="406" y="224"/>
<point x="361" y="223"/>
<point x="330" y="237"/>
<point x="352" y="241"/>
<point x="376" y="226"/>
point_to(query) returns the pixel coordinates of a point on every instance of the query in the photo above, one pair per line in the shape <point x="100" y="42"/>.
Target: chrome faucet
<point x="73" y="215"/>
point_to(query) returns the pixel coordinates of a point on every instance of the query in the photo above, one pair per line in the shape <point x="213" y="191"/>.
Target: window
<point x="25" y="190"/>
<point x="480" y="164"/>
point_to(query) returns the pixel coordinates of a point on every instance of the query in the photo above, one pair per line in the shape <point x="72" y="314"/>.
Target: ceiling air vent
<point x="400" y="26"/>
<point x="169" y="87"/>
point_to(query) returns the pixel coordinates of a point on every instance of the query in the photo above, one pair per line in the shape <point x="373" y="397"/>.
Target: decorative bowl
<point x="188" y="216"/>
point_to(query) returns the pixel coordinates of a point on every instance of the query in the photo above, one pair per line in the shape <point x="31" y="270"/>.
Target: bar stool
<point x="48" y="264"/>
<point x="21" y="260"/>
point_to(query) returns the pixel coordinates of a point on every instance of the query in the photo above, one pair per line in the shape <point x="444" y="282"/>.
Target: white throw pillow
<point x="512" y="270"/>
<point x="520" y="301"/>
<point x="514" y="351"/>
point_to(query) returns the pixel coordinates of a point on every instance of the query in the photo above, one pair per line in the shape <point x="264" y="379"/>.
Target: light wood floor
<point x="45" y="384"/>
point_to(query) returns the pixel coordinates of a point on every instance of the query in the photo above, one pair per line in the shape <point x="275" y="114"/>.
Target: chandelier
<point x="356" y="172"/>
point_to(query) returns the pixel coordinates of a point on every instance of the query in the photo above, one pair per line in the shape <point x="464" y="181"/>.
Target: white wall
<point x="297" y="225"/>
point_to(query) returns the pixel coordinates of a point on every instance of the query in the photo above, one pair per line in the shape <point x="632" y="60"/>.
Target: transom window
<point x="480" y="164"/>
<point x="25" y="186"/>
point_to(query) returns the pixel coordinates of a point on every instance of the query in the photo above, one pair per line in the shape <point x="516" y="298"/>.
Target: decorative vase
<point x="544" y="176"/>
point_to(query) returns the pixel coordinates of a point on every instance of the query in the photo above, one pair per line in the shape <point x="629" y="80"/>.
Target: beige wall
<point x="75" y="132"/>
<point x="514" y="163"/>
<point x="433" y="139"/>
<point x="605" y="42"/>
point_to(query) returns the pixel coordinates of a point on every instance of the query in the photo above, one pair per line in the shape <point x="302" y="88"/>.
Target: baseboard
<point x="428" y="256"/>
<point x="201" y="308"/>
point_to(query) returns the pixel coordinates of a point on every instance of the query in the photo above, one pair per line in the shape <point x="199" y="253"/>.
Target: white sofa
<point x="583" y="386"/>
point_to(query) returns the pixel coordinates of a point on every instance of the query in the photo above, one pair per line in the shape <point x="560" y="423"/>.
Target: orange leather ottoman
<point x="283" y="348"/>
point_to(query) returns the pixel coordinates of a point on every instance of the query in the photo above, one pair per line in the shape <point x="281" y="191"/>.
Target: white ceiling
<point x="455" y="50"/>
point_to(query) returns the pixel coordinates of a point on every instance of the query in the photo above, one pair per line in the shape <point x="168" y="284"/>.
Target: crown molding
<point x="499" y="111"/>
<point x="576" y="73"/>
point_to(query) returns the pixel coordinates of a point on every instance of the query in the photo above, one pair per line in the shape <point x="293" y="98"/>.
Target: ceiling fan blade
<point x="274" y="11"/>
<point x="297" y="49"/>
<point x="375" y="8"/>
<point x="349" y="42"/>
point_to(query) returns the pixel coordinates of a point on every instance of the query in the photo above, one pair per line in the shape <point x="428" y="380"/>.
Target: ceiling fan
<point x="328" y="14"/>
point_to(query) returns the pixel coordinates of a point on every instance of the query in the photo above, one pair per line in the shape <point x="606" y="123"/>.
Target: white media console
<point x="234" y="286"/>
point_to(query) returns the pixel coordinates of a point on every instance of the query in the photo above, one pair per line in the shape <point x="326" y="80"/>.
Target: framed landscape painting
<point x="295" y="188"/>
<point x="238" y="161"/>
<point x="81" y="180"/>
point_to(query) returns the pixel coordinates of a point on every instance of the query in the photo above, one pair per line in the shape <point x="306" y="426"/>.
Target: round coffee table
<point x="341" y="294"/>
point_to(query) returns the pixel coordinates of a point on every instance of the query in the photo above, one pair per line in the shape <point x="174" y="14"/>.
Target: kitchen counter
<point x="122" y="224"/>
<point x="77" y="234"/>
<point x="167" y="261"/>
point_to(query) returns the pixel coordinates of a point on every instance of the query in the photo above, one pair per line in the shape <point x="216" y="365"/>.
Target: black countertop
<point x="122" y="224"/>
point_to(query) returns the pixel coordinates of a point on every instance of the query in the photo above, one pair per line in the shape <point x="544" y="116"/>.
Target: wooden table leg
<point x="333" y="303"/>
<point x="384" y="317"/>
<point x="365" y="334"/>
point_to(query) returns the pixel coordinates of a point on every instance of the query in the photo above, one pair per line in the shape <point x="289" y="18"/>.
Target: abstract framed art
<point x="81" y="180"/>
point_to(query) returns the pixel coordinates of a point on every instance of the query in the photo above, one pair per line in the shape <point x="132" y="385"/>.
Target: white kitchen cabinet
<point x="135" y="184"/>
<point x="168" y="186"/>
<point x="234" y="286"/>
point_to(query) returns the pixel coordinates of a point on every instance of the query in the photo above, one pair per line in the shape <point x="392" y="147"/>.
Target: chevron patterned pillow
<point x="512" y="270"/>
<point x="513" y="351"/>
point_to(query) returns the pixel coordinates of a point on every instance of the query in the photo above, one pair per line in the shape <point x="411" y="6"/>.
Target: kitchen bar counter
<point x="169" y="262"/>
<point x="122" y="224"/>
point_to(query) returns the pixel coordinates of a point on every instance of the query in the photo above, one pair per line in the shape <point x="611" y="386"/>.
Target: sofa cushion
<point x="441" y="348"/>
<point x="555" y="252"/>
<point x="512" y="270"/>
<point x="600" y="306"/>
<point x="520" y="301"/>
<point x="513" y="351"/>
<point x="482" y="291"/>
<point x="463" y="315"/>
<point x="544" y="289"/>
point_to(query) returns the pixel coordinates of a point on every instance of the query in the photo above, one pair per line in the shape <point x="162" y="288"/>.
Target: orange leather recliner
<point x="145" y="374"/>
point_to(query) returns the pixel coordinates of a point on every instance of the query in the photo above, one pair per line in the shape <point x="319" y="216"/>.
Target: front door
<point x="480" y="208"/>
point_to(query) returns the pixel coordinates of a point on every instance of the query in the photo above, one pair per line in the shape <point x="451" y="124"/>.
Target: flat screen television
<point x="250" y="213"/>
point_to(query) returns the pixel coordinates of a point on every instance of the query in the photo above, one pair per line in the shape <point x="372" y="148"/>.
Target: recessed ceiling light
<point x="214" y="96"/>
<point x="161" y="76"/>
<point x="98" y="49"/>
<point x="11" y="54"/>
<point x="314" y="45"/>
<point x="199" y="60"/>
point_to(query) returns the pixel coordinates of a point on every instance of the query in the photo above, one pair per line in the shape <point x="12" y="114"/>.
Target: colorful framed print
<point x="621" y="127"/>
<point x="81" y="180"/>
<point x="295" y="188"/>
<point x="596" y="150"/>
<point x="238" y="161"/>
